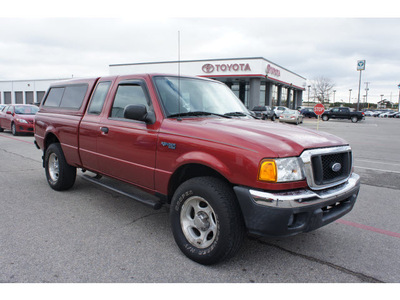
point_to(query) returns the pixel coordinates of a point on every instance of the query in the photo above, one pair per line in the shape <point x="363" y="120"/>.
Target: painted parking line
<point x="369" y="228"/>
<point x="17" y="139"/>
<point x="380" y="170"/>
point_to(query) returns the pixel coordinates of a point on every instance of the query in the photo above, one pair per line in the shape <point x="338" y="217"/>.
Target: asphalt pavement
<point x="89" y="234"/>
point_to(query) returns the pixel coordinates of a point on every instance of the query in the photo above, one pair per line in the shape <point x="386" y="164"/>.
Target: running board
<point x="96" y="180"/>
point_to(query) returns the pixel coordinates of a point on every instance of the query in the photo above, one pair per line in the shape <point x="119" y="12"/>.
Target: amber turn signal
<point x="267" y="171"/>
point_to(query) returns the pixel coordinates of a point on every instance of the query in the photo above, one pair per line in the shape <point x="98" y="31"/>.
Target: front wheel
<point x="14" y="129"/>
<point x="273" y="118"/>
<point x="60" y="175"/>
<point x="206" y="220"/>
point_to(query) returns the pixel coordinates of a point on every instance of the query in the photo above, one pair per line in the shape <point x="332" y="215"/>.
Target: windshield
<point x="190" y="95"/>
<point x="26" y="110"/>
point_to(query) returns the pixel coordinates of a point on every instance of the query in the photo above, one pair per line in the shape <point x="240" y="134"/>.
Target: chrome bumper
<point x="305" y="197"/>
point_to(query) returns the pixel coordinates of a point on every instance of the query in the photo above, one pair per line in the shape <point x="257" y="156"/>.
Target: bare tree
<point x="322" y="87"/>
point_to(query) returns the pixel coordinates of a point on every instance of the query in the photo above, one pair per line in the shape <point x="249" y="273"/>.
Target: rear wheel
<point x="325" y="118"/>
<point x="60" y="175"/>
<point x="206" y="220"/>
<point x="354" y="119"/>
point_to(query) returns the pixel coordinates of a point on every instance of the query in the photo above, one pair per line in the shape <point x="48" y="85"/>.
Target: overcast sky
<point x="45" y="48"/>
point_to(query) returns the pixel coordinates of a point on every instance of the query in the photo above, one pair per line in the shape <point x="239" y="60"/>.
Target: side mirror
<point x="139" y="113"/>
<point x="9" y="112"/>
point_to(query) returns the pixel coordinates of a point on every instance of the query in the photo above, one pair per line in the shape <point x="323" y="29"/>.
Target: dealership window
<point x="262" y="93"/>
<point x="7" y="97"/>
<point x="241" y="90"/>
<point x="19" y="98"/>
<point x="29" y="97"/>
<point x="39" y="96"/>
<point x="274" y="95"/>
<point x="284" y="96"/>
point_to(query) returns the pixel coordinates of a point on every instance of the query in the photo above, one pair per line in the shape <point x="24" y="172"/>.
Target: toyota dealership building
<point x="256" y="81"/>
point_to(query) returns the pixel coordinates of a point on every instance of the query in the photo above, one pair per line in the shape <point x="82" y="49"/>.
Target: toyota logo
<point x="208" y="68"/>
<point x="336" y="167"/>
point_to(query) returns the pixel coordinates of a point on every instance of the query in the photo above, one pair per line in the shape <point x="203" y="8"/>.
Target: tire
<point x="354" y="119"/>
<point x="206" y="220"/>
<point x="325" y="118"/>
<point x="273" y="118"/>
<point x="60" y="175"/>
<point x="14" y="129"/>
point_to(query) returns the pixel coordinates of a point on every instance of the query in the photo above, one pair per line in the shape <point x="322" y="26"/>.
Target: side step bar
<point x="96" y="180"/>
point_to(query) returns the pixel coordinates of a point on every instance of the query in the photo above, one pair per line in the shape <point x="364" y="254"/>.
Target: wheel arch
<point x="188" y="171"/>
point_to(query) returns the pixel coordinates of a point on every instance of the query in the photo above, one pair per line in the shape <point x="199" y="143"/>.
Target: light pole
<point x="350" y="95"/>
<point x="398" y="105"/>
<point x="309" y="94"/>
<point x="334" y="92"/>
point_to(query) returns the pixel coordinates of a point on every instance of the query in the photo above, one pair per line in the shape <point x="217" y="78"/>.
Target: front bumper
<point x="289" y="213"/>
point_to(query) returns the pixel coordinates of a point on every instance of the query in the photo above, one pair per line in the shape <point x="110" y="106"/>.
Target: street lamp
<point x="398" y="105"/>
<point x="350" y="95"/>
<point x="334" y="92"/>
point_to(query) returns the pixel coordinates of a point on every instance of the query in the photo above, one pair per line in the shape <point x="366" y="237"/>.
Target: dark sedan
<point x="308" y="112"/>
<point x="264" y="112"/>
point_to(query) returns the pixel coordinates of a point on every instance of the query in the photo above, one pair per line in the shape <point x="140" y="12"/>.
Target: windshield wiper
<point x="197" y="113"/>
<point x="236" y="114"/>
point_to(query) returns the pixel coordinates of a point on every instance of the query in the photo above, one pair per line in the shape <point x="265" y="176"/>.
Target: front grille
<point x="327" y="167"/>
<point x="323" y="167"/>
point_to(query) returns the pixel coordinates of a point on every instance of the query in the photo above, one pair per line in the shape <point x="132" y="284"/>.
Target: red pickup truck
<point x="191" y="145"/>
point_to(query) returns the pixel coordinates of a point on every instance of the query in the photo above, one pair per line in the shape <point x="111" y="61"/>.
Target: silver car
<point x="291" y="116"/>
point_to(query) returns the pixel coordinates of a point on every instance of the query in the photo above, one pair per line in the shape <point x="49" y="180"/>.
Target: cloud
<point x="310" y="47"/>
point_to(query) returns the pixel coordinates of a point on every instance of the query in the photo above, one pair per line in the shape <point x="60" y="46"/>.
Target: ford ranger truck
<point x="191" y="145"/>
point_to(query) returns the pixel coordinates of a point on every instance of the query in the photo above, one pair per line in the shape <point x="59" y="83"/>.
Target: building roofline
<point x="201" y="60"/>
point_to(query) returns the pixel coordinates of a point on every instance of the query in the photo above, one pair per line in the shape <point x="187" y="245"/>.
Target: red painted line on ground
<point x="370" y="228"/>
<point x="13" y="138"/>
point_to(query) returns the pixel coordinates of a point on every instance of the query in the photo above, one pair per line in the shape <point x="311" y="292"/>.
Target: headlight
<point x="22" y="121"/>
<point x="281" y="170"/>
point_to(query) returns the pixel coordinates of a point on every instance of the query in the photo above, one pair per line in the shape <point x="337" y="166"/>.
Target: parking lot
<point x="88" y="234"/>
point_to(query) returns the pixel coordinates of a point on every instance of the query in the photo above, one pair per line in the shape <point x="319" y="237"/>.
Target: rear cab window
<point x="69" y="96"/>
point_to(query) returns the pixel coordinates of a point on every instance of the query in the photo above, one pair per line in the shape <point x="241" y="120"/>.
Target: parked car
<point x="279" y="110"/>
<point x="291" y="116"/>
<point x="2" y="106"/>
<point x="264" y="112"/>
<point x="388" y="114"/>
<point x="396" y="115"/>
<point x="368" y="113"/>
<point x="18" y="118"/>
<point x="308" y="112"/>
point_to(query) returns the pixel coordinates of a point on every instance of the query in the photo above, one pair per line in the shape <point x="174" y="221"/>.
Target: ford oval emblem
<point x="336" y="167"/>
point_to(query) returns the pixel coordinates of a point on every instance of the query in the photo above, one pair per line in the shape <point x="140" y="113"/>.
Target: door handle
<point x="104" y="129"/>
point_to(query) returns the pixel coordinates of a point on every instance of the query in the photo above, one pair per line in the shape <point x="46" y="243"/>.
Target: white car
<point x="279" y="110"/>
<point x="291" y="116"/>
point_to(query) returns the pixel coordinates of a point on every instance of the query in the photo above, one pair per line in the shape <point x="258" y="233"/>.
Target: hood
<point x="264" y="137"/>
<point x="25" y="117"/>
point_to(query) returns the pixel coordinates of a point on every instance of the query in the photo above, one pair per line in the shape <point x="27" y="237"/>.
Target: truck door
<point x="127" y="148"/>
<point x="335" y="113"/>
<point x="344" y="113"/>
<point x="89" y="129"/>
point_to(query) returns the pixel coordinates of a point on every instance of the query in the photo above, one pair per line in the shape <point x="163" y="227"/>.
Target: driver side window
<point x="128" y="94"/>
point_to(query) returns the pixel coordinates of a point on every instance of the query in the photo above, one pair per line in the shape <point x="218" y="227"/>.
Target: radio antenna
<point x="179" y="75"/>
